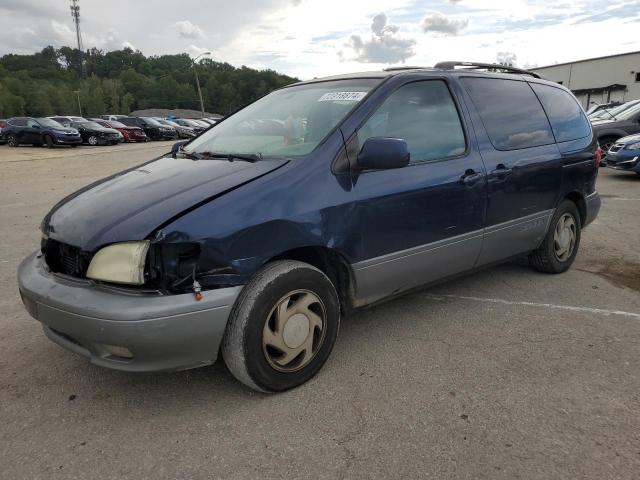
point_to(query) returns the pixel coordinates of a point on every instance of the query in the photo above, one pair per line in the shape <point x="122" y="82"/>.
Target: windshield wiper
<point x="247" y="157"/>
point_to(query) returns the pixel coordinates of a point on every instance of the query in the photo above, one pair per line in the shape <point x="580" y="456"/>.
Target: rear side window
<point x="425" y="116"/>
<point x="510" y="112"/>
<point x="568" y="121"/>
<point x="18" y="122"/>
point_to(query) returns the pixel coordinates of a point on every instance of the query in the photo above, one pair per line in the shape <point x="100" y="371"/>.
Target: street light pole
<point x="195" y="70"/>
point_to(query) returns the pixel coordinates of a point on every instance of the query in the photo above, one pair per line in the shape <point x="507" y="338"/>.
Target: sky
<point x="314" y="38"/>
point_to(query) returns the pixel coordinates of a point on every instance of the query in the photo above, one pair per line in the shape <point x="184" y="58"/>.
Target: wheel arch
<point x="330" y="262"/>
<point x="578" y="198"/>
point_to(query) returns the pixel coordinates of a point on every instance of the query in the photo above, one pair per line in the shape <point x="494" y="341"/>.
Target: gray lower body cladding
<point x="379" y="277"/>
<point x="162" y="332"/>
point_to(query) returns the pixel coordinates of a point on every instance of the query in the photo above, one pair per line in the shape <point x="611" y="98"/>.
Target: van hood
<point x="131" y="205"/>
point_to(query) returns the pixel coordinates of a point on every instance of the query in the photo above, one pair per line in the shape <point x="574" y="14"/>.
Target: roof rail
<point x="408" y="67"/>
<point x="484" y="66"/>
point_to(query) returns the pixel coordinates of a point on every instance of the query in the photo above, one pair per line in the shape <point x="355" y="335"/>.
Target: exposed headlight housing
<point x="120" y="263"/>
<point x="633" y="146"/>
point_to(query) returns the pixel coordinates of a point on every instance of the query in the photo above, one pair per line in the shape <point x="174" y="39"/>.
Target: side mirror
<point x="382" y="153"/>
<point x="176" y="147"/>
<point x="36" y="126"/>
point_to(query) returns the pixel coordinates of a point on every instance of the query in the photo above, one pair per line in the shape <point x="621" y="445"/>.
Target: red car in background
<point x="3" y="123"/>
<point x="130" y="134"/>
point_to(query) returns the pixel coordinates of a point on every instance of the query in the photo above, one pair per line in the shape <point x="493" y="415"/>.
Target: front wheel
<point x="282" y="327"/>
<point x="560" y="245"/>
<point x="93" y="140"/>
<point x="48" y="141"/>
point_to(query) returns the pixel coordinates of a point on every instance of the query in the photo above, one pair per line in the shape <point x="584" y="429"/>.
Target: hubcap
<point x="93" y="140"/>
<point x="294" y="330"/>
<point x="605" y="149"/>
<point x="564" y="237"/>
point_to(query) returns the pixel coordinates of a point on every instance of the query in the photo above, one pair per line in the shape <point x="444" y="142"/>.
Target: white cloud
<point x="438" y="23"/>
<point x="384" y="46"/>
<point x="186" y="29"/>
<point x="506" y="58"/>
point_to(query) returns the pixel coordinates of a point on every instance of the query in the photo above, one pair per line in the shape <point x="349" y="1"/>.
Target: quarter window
<point x="510" y="112"/>
<point x="567" y="118"/>
<point x="425" y="116"/>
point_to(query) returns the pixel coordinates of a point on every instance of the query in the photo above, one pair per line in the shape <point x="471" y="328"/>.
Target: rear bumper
<point x="162" y="332"/>
<point x="593" y="203"/>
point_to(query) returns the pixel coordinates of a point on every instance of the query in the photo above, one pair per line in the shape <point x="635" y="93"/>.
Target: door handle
<point x="470" y="177"/>
<point x="501" y="171"/>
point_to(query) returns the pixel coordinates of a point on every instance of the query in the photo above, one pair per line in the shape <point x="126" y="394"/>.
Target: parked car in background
<point x="609" y="131"/>
<point x="66" y="121"/>
<point x="154" y="129"/>
<point x="112" y="117"/>
<point x="596" y="107"/>
<point x="129" y="134"/>
<point x="183" y="132"/>
<point x="611" y="113"/>
<point x="624" y="155"/>
<point x="39" y="131"/>
<point x="95" y="134"/>
<point x="256" y="251"/>
<point x="3" y="123"/>
<point x="187" y="122"/>
<point x="202" y="122"/>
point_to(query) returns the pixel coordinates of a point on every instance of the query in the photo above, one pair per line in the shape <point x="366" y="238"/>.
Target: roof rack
<point x="484" y="66"/>
<point x="408" y="67"/>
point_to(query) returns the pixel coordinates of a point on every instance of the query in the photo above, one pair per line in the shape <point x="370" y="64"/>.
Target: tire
<point x="550" y="257"/>
<point x="605" y="144"/>
<point x="12" y="141"/>
<point x="92" y="140"/>
<point x="48" y="141"/>
<point x="253" y="329"/>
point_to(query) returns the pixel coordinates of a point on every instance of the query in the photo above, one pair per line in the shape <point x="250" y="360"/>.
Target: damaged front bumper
<point x="122" y="330"/>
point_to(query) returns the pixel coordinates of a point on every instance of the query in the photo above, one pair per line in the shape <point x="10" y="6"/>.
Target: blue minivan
<point x="256" y="238"/>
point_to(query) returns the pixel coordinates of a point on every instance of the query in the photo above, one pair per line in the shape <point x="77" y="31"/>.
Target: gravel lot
<point x="507" y="373"/>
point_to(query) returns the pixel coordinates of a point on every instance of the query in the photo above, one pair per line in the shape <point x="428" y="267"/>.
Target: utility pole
<point x="77" y="92"/>
<point x="195" y="70"/>
<point x="75" y="14"/>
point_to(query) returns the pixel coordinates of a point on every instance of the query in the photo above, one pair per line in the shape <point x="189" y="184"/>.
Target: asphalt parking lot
<point x="507" y="373"/>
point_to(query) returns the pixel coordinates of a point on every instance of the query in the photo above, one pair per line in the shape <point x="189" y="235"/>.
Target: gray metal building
<point x="601" y="79"/>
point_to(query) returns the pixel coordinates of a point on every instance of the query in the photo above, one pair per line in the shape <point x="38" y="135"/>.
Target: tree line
<point x="49" y="82"/>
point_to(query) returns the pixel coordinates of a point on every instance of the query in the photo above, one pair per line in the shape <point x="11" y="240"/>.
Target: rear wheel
<point x="282" y="327"/>
<point x="560" y="245"/>
<point x="12" y="141"/>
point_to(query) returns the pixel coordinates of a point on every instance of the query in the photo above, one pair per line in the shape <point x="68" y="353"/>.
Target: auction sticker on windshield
<point x="342" y="96"/>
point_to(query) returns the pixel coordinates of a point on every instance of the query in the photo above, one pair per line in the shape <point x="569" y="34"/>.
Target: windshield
<point x="186" y="122"/>
<point x="92" y="125"/>
<point x="47" y="122"/>
<point x="151" y="121"/>
<point x="629" y="113"/>
<point x="117" y="124"/>
<point x="288" y="122"/>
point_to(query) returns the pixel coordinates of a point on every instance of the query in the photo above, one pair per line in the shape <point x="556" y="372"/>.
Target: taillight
<point x="598" y="156"/>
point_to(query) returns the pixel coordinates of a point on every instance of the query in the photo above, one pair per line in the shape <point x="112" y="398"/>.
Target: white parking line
<point x="571" y="308"/>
